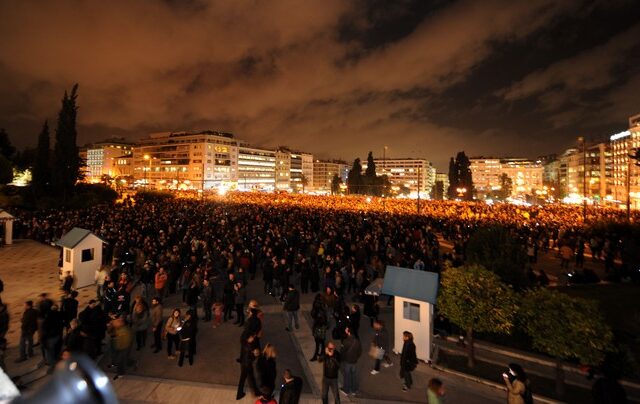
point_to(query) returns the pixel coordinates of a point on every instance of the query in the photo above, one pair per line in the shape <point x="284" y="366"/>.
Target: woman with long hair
<point x="517" y="385"/>
<point x="171" y="329"/>
<point x="267" y="368"/>
<point x="408" y="360"/>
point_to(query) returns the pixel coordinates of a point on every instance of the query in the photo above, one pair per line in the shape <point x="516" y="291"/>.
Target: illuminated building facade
<point x="324" y="171"/>
<point x="625" y="172"/>
<point x="407" y="173"/>
<point x="187" y="160"/>
<point x="102" y="159"/>
<point x="256" y="169"/>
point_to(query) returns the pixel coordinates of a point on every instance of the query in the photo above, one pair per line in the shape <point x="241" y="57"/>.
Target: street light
<point x="148" y="158"/>
<point x="461" y="191"/>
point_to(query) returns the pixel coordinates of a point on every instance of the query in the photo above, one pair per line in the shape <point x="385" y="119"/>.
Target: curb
<point x="537" y="398"/>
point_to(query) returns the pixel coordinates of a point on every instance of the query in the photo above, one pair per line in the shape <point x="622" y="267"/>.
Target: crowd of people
<point x="206" y="251"/>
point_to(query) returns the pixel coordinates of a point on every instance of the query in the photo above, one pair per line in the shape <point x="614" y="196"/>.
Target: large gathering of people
<point x="205" y="251"/>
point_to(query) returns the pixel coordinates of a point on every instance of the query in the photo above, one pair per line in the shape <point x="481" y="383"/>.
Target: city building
<point x="526" y="175"/>
<point x="485" y="173"/>
<point x="256" y="168"/>
<point x="293" y="171"/>
<point x="625" y="181"/>
<point x="324" y="171"/>
<point x="187" y="160"/>
<point x="441" y="186"/>
<point x="408" y="174"/>
<point x="101" y="158"/>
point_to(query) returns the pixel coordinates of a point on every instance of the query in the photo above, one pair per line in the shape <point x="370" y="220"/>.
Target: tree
<point x="460" y="177"/>
<point x="475" y="300"/>
<point x="370" y="181"/>
<point x="354" y="178"/>
<point x="565" y="327"/>
<point x="506" y="186"/>
<point x="336" y="181"/>
<point x="6" y="170"/>
<point x="453" y="179"/>
<point x="41" y="166"/>
<point x="496" y="249"/>
<point x="304" y="181"/>
<point x="66" y="168"/>
<point x="6" y="148"/>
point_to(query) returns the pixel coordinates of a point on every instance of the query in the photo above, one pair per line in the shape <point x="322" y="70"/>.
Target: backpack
<point x="527" y="396"/>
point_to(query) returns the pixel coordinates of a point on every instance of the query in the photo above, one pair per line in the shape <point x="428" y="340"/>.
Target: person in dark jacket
<point x="187" y="335"/>
<point x="349" y="354"/>
<point x="408" y="360"/>
<point x="74" y="341"/>
<point x="291" y="306"/>
<point x="67" y="283"/>
<point x="240" y="300"/>
<point x="69" y="308"/>
<point x="354" y="320"/>
<point x="291" y="388"/>
<point x="330" y="370"/>
<point x="229" y="298"/>
<point x="381" y="341"/>
<point x="27" y="330"/>
<point x="249" y="354"/>
<point x="319" y="327"/>
<point x="207" y="299"/>
<point x="265" y="372"/>
<point x="52" y="336"/>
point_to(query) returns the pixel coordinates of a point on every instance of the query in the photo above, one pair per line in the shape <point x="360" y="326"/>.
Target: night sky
<point x="333" y="77"/>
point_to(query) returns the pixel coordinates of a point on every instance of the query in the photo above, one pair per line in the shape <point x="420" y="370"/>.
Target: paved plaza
<point x="31" y="268"/>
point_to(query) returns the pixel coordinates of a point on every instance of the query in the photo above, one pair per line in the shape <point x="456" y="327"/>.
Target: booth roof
<point x="410" y="283"/>
<point x="74" y="237"/>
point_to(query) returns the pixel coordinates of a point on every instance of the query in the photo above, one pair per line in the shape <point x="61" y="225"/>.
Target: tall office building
<point x="626" y="174"/>
<point x="324" y="171"/>
<point x="256" y="168"/>
<point x="187" y="160"/>
<point x="102" y="159"/>
<point x="485" y="172"/>
<point x="410" y="173"/>
<point x="526" y="175"/>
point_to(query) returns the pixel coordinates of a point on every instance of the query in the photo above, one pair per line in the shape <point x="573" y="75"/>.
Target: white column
<point x="8" y="232"/>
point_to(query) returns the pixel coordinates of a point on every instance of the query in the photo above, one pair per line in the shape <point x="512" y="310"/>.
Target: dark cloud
<point x="332" y="77"/>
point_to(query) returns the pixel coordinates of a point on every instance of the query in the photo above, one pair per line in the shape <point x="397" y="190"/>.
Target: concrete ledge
<point x="537" y="398"/>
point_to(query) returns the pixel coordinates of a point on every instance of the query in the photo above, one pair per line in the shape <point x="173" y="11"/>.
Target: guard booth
<point x="81" y="255"/>
<point x="7" y="219"/>
<point x="415" y="295"/>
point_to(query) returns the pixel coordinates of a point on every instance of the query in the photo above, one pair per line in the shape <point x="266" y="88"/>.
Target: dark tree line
<point x="54" y="172"/>
<point x="368" y="183"/>
<point x="460" y="181"/>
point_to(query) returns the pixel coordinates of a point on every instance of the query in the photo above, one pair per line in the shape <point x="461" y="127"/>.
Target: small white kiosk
<point x="415" y="295"/>
<point x="7" y="221"/>
<point x="81" y="255"/>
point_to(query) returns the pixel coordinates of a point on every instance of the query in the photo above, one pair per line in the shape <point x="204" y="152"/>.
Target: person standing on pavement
<point x="518" y="391"/>
<point x="291" y="388"/>
<point x="349" y="354"/>
<point x="381" y="345"/>
<point x="248" y="355"/>
<point x="69" y="308"/>
<point x="291" y="307"/>
<point x="100" y="276"/>
<point x="27" y="330"/>
<point x="140" y="322"/>
<point x="160" y="283"/>
<point x="122" y="344"/>
<point x="330" y="370"/>
<point x="354" y="320"/>
<point x="229" y="297"/>
<point x="240" y="300"/>
<point x="156" y="324"/>
<point x="319" y="328"/>
<point x="206" y="294"/>
<point x="52" y="327"/>
<point x="171" y="332"/>
<point x="435" y="391"/>
<point x="408" y="360"/>
<point x="266" y="372"/>
<point x="187" y="333"/>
